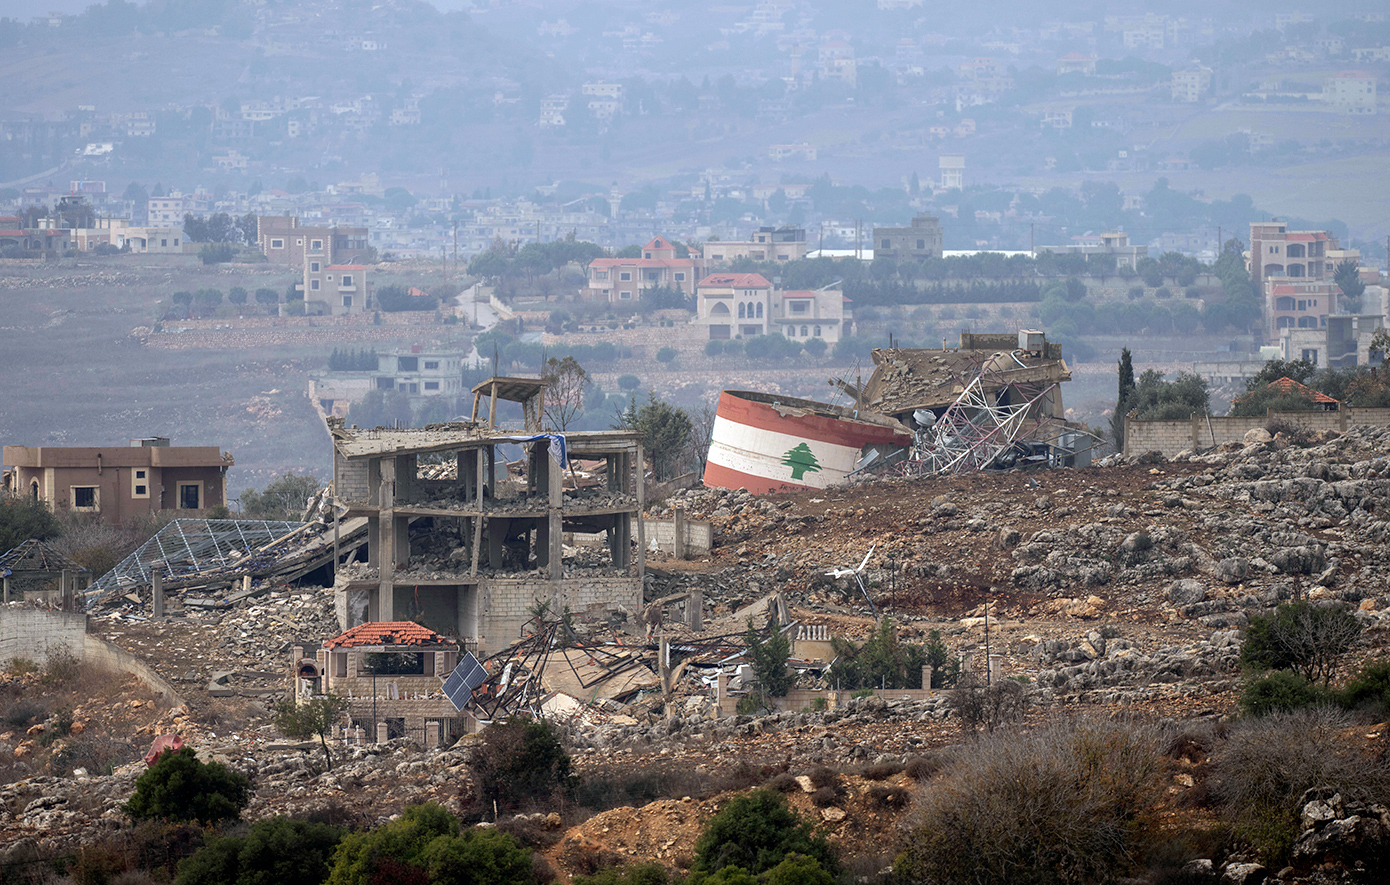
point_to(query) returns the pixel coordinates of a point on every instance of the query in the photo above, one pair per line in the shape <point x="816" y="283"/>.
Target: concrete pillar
<point x="926" y="677"/>
<point x="641" y="482"/>
<point x="994" y="668"/>
<point x="663" y="664"/>
<point x="245" y="583"/>
<point x="721" y="687"/>
<point x="431" y="734"/>
<point x="337" y="732"/>
<point x="386" y="559"/>
<point x="695" y="608"/>
<point x="382" y="733"/>
<point x="555" y="518"/>
<point x="158" y="592"/>
<point x="7" y="588"/>
<point x="678" y="524"/>
<point x="359" y="735"/>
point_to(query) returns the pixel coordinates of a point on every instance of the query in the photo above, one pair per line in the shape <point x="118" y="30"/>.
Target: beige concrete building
<point x="919" y="241"/>
<point x="121" y="483"/>
<point x="766" y="244"/>
<point x="1351" y="92"/>
<point x="746" y="305"/>
<point x="1276" y="251"/>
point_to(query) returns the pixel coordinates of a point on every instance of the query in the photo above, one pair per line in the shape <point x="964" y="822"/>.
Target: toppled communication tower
<point x="996" y="401"/>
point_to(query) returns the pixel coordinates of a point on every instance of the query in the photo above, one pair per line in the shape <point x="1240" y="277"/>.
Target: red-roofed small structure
<point x="391" y="673"/>
<point x="387" y="633"/>
<point x="1287" y="386"/>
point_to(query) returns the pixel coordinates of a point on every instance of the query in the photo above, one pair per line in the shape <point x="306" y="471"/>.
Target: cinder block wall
<point x="505" y="604"/>
<point x="1202" y="432"/>
<point x="35" y="634"/>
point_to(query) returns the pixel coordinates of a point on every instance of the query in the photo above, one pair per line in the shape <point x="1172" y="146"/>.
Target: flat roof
<point x="352" y="442"/>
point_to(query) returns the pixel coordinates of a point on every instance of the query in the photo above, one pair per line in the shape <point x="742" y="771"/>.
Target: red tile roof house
<point x="391" y="672"/>
<point x="618" y="280"/>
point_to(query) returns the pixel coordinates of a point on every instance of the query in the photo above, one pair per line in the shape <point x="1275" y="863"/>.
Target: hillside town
<point x="456" y="441"/>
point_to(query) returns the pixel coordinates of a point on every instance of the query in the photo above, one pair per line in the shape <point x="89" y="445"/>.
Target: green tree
<point x="311" y="717"/>
<point x="424" y="844"/>
<point x="276" y="850"/>
<point x="757" y="832"/>
<point x="769" y="659"/>
<point x="665" y="354"/>
<point x="665" y="430"/>
<point x="284" y="498"/>
<point x="1303" y="637"/>
<point x="178" y="787"/>
<point x="1157" y="399"/>
<point x="520" y="762"/>
<point x="1126" y="393"/>
<point x="883" y="661"/>
<point x="23" y="516"/>
<point x="1347" y="276"/>
<point x="236" y="295"/>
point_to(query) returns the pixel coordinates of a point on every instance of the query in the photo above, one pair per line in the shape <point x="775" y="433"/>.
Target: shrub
<point x="520" y="763"/>
<point x="22" y="518"/>
<point x="989" y="706"/>
<point x="714" y="347"/>
<point x="1305" y="638"/>
<point x="424" y="845"/>
<point x="276" y="849"/>
<point x="1135" y="293"/>
<point x="61" y="667"/>
<point x="756" y="832"/>
<point x="665" y="354"/>
<point x="1279" y="692"/>
<point x="21" y="713"/>
<point x="1070" y="803"/>
<point x="1267" y="764"/>
<point x="823" y="776"/>
<point x="23" y="666"/>
<point x="629" y="382"/>
<point x="825" y="796"/>
<point x="919" y="768"/>
<point x="1163" y="292"/>
<point x="1368" y="688"/>
<point x="180" y="788"/>
<point x="217" y="253"/>
<point x="882" y="770"/>
<point x="784" y="783"/>
<point x="816" y="347"/>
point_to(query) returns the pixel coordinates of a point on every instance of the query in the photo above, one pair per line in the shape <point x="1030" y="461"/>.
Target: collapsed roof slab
<point x="905" y="380"/>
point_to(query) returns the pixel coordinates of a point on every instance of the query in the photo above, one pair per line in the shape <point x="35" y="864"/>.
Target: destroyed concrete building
<point x="992" y="402"/>
<point x="463" y="545"/>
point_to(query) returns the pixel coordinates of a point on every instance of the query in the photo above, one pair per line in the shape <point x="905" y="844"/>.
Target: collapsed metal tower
<point x="976" y="432"/>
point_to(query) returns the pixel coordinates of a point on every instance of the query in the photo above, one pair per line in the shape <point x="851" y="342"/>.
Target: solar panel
<point x="467" y="676"/>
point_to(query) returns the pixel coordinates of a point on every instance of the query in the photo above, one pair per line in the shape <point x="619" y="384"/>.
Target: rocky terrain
<point x="1121" y="589"/>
